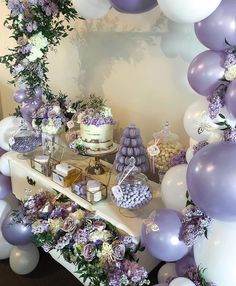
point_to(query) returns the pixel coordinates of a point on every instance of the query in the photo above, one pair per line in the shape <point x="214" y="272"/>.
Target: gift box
<point x="91" y="190"/>
<point x="66" y="179"/>
<point x="44" y="164"/>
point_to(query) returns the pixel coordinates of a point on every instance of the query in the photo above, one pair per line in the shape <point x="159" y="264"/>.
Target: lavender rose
<point x="89" y="252"/>
<point x="69" y="224"/>
<point x="118" y="250"/>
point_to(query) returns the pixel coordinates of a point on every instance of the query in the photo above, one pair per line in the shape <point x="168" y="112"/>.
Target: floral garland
<point x="83" y="238"/>
<point x="37" y="26"/>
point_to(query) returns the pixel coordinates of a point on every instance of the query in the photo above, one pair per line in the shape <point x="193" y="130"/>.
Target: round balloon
<point x="24" y="258"/>
<point x="92" y="9"/>
<point x="174" y="187"/>
<point x="230" y="98"/>
<point x="166" y="272"/>
<point x="211" y="180"/>
<point x="38" y="92"/>
<point x="5" y="186"/>
<point x="218" y="27"/>
<point x="133" y="6"/>
<point x="205" y="72"/>
<point x="27" y="109"/>
<point x="5" y="248"/>
<point x="4" y="165"/>
<point x="211" y="252"/>
<point x="185" y="11"/>
<point x="182" y="265"/>
<point x="197" y="122"/>
<point x="8" y="127"/>
<point x="20" y="95"/>
<point x="160" y="235"/>
<point x="15" y="233"/>
<point x="181" y="281"/>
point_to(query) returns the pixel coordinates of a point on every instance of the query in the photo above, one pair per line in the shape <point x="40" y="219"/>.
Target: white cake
<point x="97" y="138"/>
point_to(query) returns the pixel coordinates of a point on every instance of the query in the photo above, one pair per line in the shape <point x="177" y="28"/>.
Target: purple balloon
<point x="28" y="109"/>
<point x="182" y="265"/>
<point x="133" y="6"/>
<point x="37" y="103"/>
<point x="38" y="92"/>
<point x="20" y="95"/>
<point x="218" y="27"/>
<point x="230" y="98"/>
<point x="211" y="180"/>
<point x="16" y="233"/>
<point x="160" y="235"/>
<point x="5" y="186"/>
<point x="205" y="71"/>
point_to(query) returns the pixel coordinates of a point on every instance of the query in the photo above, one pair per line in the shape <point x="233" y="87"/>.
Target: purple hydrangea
<point x="216" y="100"/>
<point x="194" y="224"/>
<point x="230" y="59"/>
<point x="81" y="236"/>
<point x="16" y="7"/>
<point x="194" y="275"/>
<point x="59" y="212"/>
<point x="63" y="241"/>
<point x="178" y="159"/>
<point x="230" y="135"/>
<point x="40" y="227"/>
<point x="199" y="146"/>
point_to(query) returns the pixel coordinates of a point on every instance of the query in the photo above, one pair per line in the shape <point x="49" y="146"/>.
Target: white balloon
<point x="5" y="248"/>
<point x="197" y="122"/>
<point x="182" y="281"/>
<point x="217" y="253"/>
<point x="8" y="127"/>
<point x="92" y="9"/>
<point x="189" y="154"/>
<point x="24" y="258"/>
<point x="185" y="11"/>
<point x="167" y="271"/>
<point x="174" y="187"/>
<point x="4" y="165"/>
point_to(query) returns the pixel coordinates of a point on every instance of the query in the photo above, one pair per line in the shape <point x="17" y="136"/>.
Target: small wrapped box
<point x="91" y="190"/>
<point x="43" y="164"/>
<point x="65" y="174"/>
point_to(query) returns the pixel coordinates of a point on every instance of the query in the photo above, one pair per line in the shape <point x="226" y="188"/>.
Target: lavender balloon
<point x="38" y="92"/>
<point x="182" y="265"/>
<point x="133" y="6"/>
<point x="20" y="95"/>
<point x="205" y="71"/>
<point x="160" y="235"/>
<point x="220" y="25"/>
<point x="27" y="110"/>
<point x="5" y="186"/>
<point x="211" y="180"/>
<point x="230" y="98"/>
<point x="15" y="233"/>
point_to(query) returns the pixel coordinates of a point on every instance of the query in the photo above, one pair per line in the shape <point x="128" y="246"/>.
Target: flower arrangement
<point x="37" y="26"/>
<point x="95" y="112"/>
<point x="83" y="238"/>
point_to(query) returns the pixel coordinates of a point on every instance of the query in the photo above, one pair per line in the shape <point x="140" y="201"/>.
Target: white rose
<point x="230" y="74"/>
<point x="57" y="109"/>
<point x="38" y="40"/>
<point x="107" y="112"/>
<point x="35" y="54"/>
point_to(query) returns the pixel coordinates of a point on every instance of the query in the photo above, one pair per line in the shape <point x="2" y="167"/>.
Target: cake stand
<point x="98" y="168"/>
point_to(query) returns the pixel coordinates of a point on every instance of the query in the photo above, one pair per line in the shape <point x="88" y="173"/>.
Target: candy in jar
<point x="132" y="189"/>
<point x="162" y="149"/>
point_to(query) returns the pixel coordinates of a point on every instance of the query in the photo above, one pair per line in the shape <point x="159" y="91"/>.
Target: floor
<point x="47" y="273"/>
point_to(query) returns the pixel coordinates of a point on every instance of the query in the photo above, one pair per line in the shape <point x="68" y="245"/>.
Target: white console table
<point x="22" y="175"/>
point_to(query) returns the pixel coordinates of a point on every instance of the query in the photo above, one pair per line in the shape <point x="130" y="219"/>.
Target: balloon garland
<point x="212" y="74"/>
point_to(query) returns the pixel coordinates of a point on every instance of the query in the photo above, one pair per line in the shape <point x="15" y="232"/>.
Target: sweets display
<point x="65" y="175"/>
<point x="132" y="190"/>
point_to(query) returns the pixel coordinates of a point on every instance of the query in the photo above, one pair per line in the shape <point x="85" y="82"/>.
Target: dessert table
<point x="25" y="178"/>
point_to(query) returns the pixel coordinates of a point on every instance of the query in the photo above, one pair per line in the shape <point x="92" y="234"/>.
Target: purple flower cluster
<point x="199" y="146"/>
<point x="216" y="100"/>
<point x="83" y="234"/>
<point x="194" y="275"/>
<point x="97" y="120"/>
<point x="16" y="7"/>
<point x="26" y="49"/>
<point x="230" y="59"/>
<point x="178" y="159"/>
<point x="230" y="135"/>
<point x="194" y="224"/>
<point x="49" y="7"/>
<point x="31" y="26"/>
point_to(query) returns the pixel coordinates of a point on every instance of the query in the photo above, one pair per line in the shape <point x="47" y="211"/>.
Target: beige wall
<point x="137" y="62"/>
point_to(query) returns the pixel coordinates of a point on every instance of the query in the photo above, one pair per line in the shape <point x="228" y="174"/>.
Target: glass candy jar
<point x="164" y="146"/>
<point x="132" y="190"/>
<point x="25" y="140"/>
